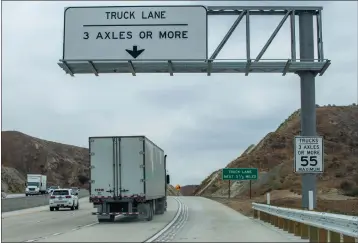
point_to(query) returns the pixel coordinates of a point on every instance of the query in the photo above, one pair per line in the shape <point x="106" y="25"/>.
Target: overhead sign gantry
<point x="173" y="39"/>
<point x="157" y="39"/>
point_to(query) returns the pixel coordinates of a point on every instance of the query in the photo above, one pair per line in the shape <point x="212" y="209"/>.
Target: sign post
<point x="308" y="154"/>
<point x="239" y="174"/>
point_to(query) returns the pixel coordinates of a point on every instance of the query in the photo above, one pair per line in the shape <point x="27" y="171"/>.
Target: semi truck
<point x="128" y="177"/>
<point x="36" y="184"/>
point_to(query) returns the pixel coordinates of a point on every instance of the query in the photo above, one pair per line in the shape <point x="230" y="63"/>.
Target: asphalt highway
<point x="42" y="225"/>
<point x="211" y="221"/>
<point x="188" y="219"/>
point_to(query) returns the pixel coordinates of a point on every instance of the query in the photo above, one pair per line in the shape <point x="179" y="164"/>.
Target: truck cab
<point x="35" y="185"/>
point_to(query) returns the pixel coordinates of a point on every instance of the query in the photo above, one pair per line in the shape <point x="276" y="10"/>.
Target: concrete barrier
<point x="12" y="204"/>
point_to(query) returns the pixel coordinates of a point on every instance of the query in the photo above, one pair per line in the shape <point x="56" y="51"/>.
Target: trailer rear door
<point x="103" y="166"/>
<point x="132" y="165"/>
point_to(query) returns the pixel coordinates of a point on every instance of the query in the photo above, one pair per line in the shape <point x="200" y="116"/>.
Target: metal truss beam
<point x="260" y="10"/>
<point x="212" y="65"/>
<point x="198" y="66"/>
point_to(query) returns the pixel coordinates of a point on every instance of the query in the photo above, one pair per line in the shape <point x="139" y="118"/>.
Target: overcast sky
<point x="201" y="122"/>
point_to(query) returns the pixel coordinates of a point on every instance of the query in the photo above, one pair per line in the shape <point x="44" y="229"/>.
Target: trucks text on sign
<point x="308" y="154"/>
<point x="137" y="32"/>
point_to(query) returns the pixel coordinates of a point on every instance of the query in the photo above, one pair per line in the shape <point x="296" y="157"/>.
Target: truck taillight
<point x="53" y="197"/>
<point x="68" y="196"/>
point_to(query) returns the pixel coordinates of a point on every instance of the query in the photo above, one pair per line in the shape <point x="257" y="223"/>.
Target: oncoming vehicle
<point x="63" y="198"/>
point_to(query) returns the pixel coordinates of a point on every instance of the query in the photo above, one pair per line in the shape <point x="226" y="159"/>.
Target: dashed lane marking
<point x="60" y="233"/>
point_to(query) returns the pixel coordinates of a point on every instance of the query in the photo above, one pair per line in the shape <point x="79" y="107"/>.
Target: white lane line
<point x="60" y="233"/>
<point x="168" y="226"/>
<point x="169" y="236"/>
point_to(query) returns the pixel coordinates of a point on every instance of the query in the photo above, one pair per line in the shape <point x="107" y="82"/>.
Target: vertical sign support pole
<point x="229" y="189"/>
<point x="250" y="189"/>
<point x="308" y="103"/>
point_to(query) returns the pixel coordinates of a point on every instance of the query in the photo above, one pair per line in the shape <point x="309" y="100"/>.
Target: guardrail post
<point x="349" y="239"/>
<point x="276" y="221"/>
<point x="304" y="232"/>
<point x="291" y="226"/>
<point x="280" y="223"/>
<point x="256" y="212"/>
<point x="313" y="234"/>
<point x="297" y="231"/>
<point x="334" y="237"/>
<point x="265" y="217"/>
<point x="272" y="219"/>
<point x="285" y="224"/>
<point x="322" y="235"/>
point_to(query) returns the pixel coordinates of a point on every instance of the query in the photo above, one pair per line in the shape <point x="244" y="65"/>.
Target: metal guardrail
<point x="316" y="226"/>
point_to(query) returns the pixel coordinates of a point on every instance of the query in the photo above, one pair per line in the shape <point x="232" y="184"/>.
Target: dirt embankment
<point x="188" y="190"/>
<point x="273" y="156"/>
<point x="21" y="154"/>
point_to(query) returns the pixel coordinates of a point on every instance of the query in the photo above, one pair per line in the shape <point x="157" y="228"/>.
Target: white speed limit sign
<point x="308" y="154"/>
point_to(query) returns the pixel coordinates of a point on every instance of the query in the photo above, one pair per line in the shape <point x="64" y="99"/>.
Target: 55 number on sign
<point x="308" y="154"/>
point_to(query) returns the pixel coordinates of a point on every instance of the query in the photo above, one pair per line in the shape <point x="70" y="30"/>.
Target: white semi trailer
<point x="127" y="177"/>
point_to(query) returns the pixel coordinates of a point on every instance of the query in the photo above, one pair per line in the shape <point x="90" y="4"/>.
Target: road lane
<point x="122" y="230"/>
<point x="211" y="221"/>
<point x="39" y="222"/>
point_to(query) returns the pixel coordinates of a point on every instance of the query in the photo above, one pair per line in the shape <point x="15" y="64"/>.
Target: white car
<point x="63" y="198"/>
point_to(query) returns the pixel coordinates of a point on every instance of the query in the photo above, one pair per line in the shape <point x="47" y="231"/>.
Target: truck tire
<point x="150" y="211"/>
<point x="160" y="207"/>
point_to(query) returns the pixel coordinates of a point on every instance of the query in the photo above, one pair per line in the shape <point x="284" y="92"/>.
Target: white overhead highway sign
<point x="308" y="154"/>
<point x="136" y="32"/>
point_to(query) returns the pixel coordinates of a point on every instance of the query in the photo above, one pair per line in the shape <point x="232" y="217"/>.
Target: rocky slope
<point x="64" y="165"/>
<point x="188" y="190"/>
<point x="172" y="191"/>
<point x="274" y="158"/>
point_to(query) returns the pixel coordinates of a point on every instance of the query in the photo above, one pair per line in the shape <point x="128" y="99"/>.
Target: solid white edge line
<point x="151" y="239"/>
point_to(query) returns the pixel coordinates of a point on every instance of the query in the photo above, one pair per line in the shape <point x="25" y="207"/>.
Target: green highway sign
<point x="240" y="174"/>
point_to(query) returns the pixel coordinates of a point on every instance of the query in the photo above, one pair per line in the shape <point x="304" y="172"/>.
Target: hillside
<point x="172" y="191"/>
<point x="273" y="156"/>
<point x="63" y="164"/>
<point x="188" y="190"/>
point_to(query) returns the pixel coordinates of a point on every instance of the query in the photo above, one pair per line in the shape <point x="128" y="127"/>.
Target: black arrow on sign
<point x="135" y="52"/>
